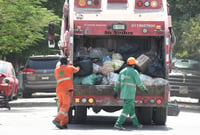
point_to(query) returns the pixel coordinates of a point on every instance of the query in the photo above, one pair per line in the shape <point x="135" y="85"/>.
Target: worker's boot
<point x="65" y="126"/>
<point x="140" y="126"/>
<point x="57" y="124"/>
<point x="119" y="127"/>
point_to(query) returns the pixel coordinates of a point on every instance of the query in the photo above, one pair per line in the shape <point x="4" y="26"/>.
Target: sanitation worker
<point x="64" y="89"/>
<point x="127" y="81"/>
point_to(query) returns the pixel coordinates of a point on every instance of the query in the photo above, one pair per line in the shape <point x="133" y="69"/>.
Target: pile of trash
<point x="99" y="67"/>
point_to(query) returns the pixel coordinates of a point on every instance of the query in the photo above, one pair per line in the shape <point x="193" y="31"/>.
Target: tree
<point x="55" y="5"/>
<point x="191" y="36"/>
<point x="22" y="24"/>
<point x="186" y="25"/>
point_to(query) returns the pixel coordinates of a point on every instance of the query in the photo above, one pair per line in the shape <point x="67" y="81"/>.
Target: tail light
<point x="87" y="4"/>
<point x="158" y="28"/>
<point x="78" y="30"/>
<point x="149" y="100"/>
<point x="96" y="2"/>
<point x="28" y="71"/>
<point x="139" y="3"/>
<point x="91" y="100"/>
<point x="82" y="3"/>
<point x="159" y="101"/>
<point x="148" y="4"/>
<point x="84" y="100"/>
<point x="154" y="4"/>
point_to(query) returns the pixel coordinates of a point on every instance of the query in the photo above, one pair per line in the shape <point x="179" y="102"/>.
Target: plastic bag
<point x="106" y="58"/>
<point x="104" y="81"/>
<point x="89" y="80"/>
<point x="98" y="52"/>
<point x="160" y="81"/>
<point x="117" y="56"/>
<point x="146" y="80"/>
<point x="112" y="77"/>
<point x="77" y="81"/>
<point x="99" y="79"/>
<point x="155" y="69"/>
<point x="96" y="68"/>
<point x="82" y="52"/>
<point x="85" y="64"/>
<point x="107" y="67"/>
<point x="117" y="64"/>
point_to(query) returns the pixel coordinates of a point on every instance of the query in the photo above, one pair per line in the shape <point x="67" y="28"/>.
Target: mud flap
<point x="173" y="108"/>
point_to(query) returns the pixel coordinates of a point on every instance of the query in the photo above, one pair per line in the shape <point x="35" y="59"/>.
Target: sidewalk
<point x="33" y="102"/>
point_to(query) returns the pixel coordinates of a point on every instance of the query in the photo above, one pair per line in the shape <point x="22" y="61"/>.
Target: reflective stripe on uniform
<point x="132" y="116"/>
<point x="125" y="83"/>
<point x="63" y="113"/>
<point x="63" y="79"/>
<point x="125" y="115"/>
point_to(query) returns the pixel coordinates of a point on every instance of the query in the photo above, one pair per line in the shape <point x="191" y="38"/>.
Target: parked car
<point x="184" y="79"/>
<point x="8" y="81"/>
<point x="38" y="74"/>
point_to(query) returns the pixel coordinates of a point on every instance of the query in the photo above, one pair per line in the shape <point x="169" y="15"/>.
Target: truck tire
<point x="80" y="114"/>
<point x="145" y="115"/>
<point x="70" y="115"/>
<point x="160" y="115"/>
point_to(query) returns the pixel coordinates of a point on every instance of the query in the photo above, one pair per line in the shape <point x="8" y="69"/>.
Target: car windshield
<point x="3" y="68"/>
<point x="42" y="63"/>
<point x="187" y="64"/>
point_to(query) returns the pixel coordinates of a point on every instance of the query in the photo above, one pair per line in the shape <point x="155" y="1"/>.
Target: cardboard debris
<point x="143" y="62"/>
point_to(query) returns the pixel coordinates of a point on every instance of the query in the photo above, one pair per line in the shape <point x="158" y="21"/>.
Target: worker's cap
<point x="132" y="61"/>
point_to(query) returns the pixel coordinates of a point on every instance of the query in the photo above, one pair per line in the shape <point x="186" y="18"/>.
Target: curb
<point x="33" y="102"/>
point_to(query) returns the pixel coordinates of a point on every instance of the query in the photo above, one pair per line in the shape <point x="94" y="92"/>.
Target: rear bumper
<point x="184" y="93"/>
<point x="185" y="85"/>
<point x="184" y="90"/>
<point x="6" y="89"/>
<point x="102" y="95"/>
<point x="40" y="88"/>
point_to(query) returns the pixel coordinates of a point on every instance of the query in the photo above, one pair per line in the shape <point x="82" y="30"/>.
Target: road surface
<point x="34" y="117"/>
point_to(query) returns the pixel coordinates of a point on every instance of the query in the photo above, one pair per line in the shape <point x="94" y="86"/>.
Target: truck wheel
<point x="80" y="114"/>
<point x="160" y="115"/>
<point x="145" y="115"/>
<point x="70" y="114"/>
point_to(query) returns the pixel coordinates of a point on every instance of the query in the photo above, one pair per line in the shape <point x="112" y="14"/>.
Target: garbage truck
<point x="99" y="36"/>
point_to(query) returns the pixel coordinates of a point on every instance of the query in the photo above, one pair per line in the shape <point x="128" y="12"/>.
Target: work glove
<point x="146" y="91"/>
<point x="115" y="95"/>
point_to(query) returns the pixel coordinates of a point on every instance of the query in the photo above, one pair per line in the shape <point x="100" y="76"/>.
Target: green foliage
<point x="55" y="5"/>
<point x="191" y="35"/>
<point x="186" y="24"/>
<point x="22" y="24"/>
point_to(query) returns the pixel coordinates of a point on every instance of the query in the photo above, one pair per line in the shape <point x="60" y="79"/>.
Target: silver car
<point x="38" y="74"/>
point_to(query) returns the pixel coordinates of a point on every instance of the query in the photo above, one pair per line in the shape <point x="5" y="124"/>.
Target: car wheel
<point x="10" y="97"/>
<point x="26" y="94"/>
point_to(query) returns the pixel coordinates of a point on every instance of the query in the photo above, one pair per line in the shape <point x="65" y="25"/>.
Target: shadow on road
<point x="107" y="123"/>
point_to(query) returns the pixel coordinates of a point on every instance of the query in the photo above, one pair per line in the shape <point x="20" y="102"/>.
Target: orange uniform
<point x="64" y="88"/>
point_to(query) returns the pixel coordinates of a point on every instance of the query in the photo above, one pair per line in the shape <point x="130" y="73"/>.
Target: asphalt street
<point x="34" y="116"/>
